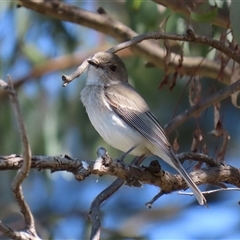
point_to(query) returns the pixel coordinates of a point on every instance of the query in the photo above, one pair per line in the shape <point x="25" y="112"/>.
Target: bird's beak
<point x="93" y="62"/>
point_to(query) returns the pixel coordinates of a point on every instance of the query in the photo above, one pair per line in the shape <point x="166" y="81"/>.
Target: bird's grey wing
<point x="132" y="109"/>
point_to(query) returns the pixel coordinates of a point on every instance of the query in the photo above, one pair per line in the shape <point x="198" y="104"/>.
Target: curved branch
<point x="148" y="49"/>
<point x="190" y="36"/>
<point x="197" y="157"/>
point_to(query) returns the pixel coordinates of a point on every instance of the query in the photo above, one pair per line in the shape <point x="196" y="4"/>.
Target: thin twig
<point x="210" y="191"/>
<point x="154" y="199"/>
<point x="81" y="69"/>
<point x="198" y="108"/>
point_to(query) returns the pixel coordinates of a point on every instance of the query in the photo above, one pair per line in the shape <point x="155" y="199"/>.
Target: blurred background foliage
<point x="57" y="124"/>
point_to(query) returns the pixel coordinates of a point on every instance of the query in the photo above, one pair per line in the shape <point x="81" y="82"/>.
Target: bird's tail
<point x="198" y="194"/>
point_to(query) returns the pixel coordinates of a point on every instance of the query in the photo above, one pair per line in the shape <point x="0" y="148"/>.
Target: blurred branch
<point x="23" y="171"/>
<point x="185" y="7"/>
<point x="146" y="175"/>
<point x="17" y="235"/>
<point x="147" y="49"/>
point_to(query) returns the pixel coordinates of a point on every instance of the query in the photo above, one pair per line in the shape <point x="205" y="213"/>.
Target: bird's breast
<point x="108" y="124"/>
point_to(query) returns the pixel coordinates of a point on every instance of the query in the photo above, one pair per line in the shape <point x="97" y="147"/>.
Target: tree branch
<point x="211" y="191"/>
<point x="25" y="167"/>
<point x="148" y="49"/>
<point x="17" y="235"/>
<point x="152" y="174"/>
<point x="190" y="36"/>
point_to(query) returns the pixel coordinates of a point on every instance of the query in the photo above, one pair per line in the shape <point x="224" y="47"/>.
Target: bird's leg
<point x="133" y="180"/>
<point x="138" y="160"/>
<point x="126" y="153"/>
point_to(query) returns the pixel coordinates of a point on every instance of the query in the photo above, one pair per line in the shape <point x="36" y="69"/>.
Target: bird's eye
<point x="113" y="68"/>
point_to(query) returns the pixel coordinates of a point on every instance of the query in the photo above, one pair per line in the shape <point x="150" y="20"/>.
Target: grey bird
<point x="122" y="117"/>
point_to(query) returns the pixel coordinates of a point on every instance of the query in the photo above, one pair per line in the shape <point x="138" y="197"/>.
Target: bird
<point x="123" y="118"/>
